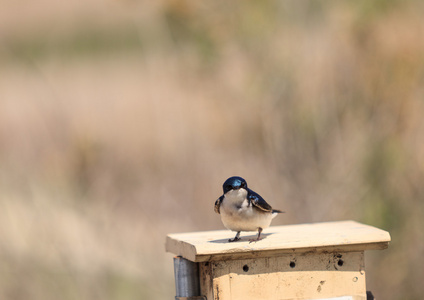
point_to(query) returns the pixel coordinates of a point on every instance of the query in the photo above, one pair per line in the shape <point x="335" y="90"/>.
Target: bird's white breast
<point x="238" y="215"/>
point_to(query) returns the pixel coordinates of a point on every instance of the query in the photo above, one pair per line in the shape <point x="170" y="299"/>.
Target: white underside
<point x="237" y="215"/>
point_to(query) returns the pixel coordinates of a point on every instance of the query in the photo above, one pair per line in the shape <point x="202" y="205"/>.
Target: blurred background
<point x="120" y="120"/>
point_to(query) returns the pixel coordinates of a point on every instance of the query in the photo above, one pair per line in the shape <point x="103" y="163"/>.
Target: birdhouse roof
<point x="341" y="236"/>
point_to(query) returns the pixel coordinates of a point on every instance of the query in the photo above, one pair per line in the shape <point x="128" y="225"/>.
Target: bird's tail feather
<point x="275" y="212"/>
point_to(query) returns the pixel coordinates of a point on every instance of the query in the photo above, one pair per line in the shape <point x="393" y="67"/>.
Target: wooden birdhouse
<point x="306" y="261"/>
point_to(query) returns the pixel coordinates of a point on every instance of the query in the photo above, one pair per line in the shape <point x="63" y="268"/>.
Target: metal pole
<point x="186" y="278"/>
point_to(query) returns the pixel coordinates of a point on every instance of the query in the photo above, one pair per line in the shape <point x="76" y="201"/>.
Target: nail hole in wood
<point x="245" y="268"/>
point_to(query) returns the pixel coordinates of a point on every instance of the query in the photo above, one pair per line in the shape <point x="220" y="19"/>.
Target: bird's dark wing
<point x="258" y="201"/>
<point x="218" y="204"/>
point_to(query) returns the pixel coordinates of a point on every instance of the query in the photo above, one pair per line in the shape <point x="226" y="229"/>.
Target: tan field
<point x="120" y="120"/>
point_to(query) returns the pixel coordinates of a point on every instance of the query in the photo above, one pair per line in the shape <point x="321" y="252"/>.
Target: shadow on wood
<point x="243" y="239"/>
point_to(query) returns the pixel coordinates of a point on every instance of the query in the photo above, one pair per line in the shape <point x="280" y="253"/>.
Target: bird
<point x="242" y="209"/>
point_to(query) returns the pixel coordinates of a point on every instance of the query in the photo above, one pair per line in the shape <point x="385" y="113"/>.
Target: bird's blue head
<point x="234" y="183"/>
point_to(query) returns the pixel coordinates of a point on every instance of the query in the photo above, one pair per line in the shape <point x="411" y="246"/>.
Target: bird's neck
<point x="236" y="196"/>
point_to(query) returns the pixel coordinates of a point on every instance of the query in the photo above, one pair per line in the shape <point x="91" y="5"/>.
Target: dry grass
<point x="119" y="122"/>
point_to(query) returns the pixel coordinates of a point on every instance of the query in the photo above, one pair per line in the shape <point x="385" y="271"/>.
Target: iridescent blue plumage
<point x="234" y="183"/>
<point x="258" y="201"/>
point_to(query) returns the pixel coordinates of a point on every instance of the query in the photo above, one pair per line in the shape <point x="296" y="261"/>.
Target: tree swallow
<point x="242" y="209"/>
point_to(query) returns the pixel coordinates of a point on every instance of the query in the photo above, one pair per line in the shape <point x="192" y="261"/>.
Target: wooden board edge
<point x="280" y="252"/>
<point x="180" y="248"/>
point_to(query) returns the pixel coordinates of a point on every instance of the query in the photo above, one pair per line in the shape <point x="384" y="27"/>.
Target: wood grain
<point x="341" y="236"/>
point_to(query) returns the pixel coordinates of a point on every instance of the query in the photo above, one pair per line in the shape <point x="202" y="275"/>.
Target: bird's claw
<point x="254" y="240"/>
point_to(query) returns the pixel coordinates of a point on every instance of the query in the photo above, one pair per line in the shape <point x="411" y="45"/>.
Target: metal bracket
<point x="187" y="279"/>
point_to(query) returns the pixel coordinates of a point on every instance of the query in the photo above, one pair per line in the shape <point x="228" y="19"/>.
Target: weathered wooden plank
<point x="343" y="236"/>
<point x="291" y="276"/>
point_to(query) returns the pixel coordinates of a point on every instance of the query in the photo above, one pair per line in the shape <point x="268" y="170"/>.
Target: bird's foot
<point x="234" y="239"/>
<point x="259" y="236"/>
<point x="254" y="240"/>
